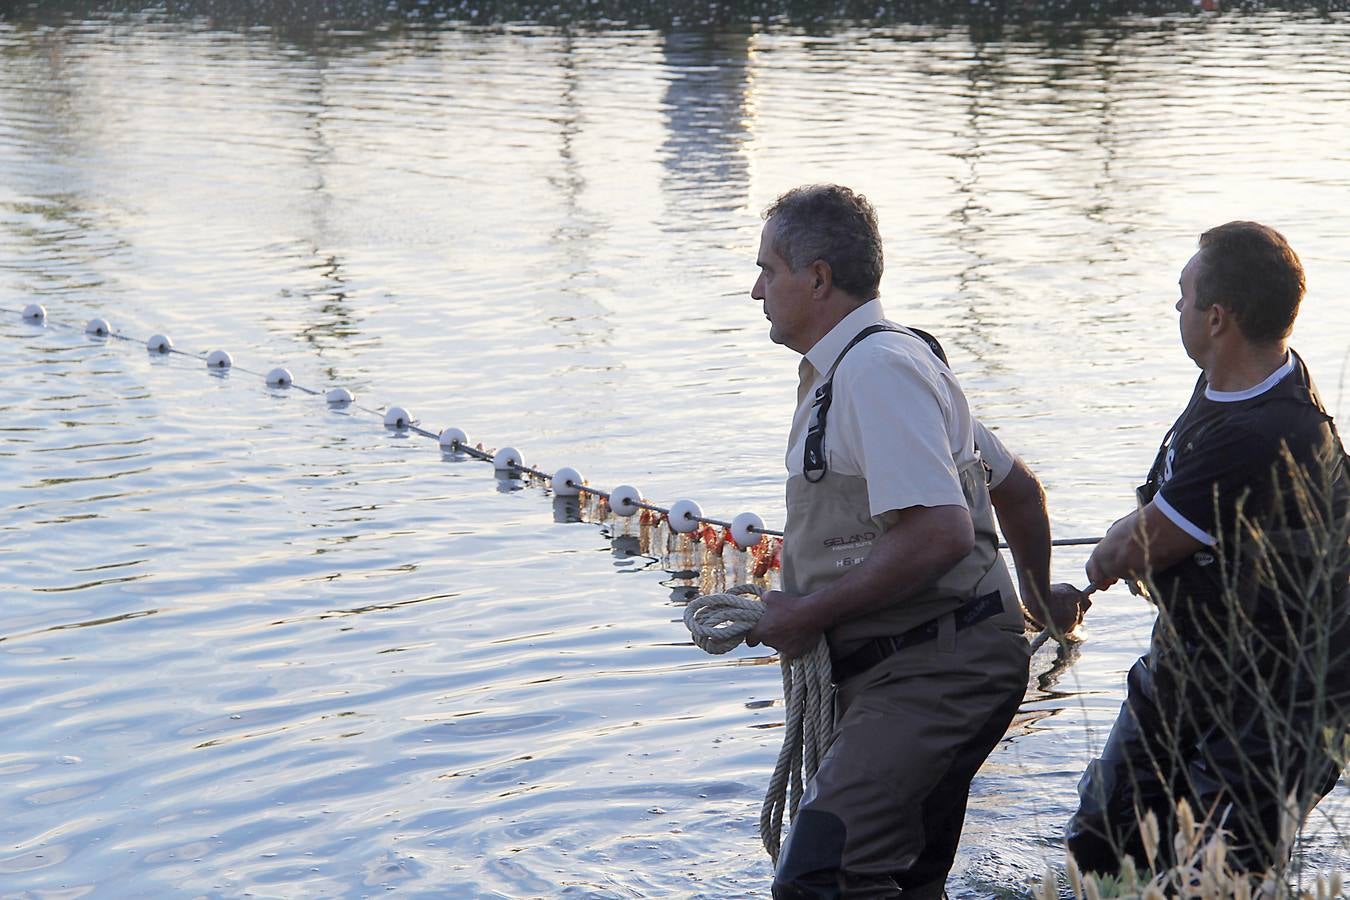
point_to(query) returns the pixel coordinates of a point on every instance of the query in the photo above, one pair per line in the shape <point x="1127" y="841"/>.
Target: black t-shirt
<point x="1225" y="454"/>
<point x="1226" y="476"/>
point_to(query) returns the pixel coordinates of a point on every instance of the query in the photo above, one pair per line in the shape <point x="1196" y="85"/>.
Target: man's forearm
<point x="1019" y="503"/>
<point x="1142" y="543"/>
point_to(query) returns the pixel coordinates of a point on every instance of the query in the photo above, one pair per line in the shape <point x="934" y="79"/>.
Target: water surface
<point x="252" y="645"/>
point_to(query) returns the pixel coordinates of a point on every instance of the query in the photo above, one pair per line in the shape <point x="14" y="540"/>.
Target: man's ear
<point x="1219" y="319"/>
<point x="822" y="279"/>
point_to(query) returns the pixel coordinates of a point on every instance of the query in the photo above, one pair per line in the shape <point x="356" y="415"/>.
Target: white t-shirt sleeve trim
<point x="1182" y="522"/>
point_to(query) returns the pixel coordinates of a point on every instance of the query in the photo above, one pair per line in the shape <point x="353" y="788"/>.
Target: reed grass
<point x="1256" y="686"/>
<point x="1201" y="870"/>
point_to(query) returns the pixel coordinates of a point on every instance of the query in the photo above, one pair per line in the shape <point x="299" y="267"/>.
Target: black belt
<point x="877" y="649"/>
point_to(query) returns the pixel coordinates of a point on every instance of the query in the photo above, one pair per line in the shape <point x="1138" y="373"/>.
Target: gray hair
<point x="834" y="224"/>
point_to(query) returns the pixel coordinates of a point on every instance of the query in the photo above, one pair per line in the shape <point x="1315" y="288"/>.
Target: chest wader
<point x="830" y="530"/>
<point x="1229" y="705"/>
<point x="922" y="699"/>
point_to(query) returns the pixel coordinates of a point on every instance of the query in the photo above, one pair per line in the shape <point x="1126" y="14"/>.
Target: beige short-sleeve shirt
<point x="898" y="418"/>
<point x="995" y="455"/>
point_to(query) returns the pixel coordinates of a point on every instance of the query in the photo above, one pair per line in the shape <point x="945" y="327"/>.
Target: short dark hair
<point x="1252" y="271"/>
<point x="834" y="224"/>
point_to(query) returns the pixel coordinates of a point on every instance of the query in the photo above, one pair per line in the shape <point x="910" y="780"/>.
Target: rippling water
<point x="252" y="645"/>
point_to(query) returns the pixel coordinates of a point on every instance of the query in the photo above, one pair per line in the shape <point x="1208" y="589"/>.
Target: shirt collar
<point x="1234" y="396"/>
<point x="828" y="348"/>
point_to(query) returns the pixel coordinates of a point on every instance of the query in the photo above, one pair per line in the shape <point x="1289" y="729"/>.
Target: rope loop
<point x="718" y="623"/>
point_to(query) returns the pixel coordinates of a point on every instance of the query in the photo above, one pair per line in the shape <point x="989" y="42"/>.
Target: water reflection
<point x="430" y="206"/>
<point x="334" y="317"/>
<point x="579" y="229"/>
<point x="49" y="209"/>
<point x="1039" y="103"/>
<point x="706" y="104"/>
<point x="566" y="509"/>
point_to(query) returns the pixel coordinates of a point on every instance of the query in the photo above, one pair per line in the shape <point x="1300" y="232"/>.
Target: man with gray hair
<point x="891" y="553"/>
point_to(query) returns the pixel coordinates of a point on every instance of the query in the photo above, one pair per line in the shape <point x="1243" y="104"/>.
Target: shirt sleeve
<point x="899" y="414"/>
<point x="996" y="456"/>
<point x="1226" y="464"/>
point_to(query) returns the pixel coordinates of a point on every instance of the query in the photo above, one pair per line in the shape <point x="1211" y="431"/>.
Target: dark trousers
<point x="1233" y="762"/>
<point x="883" y="815"/>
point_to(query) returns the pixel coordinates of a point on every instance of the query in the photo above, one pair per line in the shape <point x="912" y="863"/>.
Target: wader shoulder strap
<point x="1316" y="401"/>
<point x="932" y="343"/>
<point x="813" y="452"/>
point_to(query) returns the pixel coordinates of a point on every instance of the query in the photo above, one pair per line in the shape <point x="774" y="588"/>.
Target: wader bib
<point x="913" y="724"/>
<point x="829" y="530"/>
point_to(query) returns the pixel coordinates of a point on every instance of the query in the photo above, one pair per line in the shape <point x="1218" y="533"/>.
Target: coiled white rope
<point x="718" y="623"/>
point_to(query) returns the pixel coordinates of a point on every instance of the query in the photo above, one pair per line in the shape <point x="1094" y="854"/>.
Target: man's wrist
<point x="817" y="612"/>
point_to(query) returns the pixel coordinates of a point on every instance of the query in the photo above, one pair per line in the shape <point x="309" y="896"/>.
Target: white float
<point x="567" y="482"/>
<point x="506" y="459"/>
<point x="747" y="530"/>
<point x="684" y="516"/>
<point x="452" y="440"/>
<point x="624" y="500"/>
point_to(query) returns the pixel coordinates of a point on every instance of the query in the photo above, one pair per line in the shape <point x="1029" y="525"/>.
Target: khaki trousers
<point x="883" y="815"/>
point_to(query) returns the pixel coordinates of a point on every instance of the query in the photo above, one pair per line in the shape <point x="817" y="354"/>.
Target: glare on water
<point x="252" y="644"/>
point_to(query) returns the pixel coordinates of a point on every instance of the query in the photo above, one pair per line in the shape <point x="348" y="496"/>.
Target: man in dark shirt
<point x="1240" y="539"/>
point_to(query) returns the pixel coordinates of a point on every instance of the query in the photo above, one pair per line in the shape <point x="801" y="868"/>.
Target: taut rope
<point x="719" y="622"/>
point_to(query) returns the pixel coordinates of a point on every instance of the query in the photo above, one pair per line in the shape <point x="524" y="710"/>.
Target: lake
<point x="253" y="645"/>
